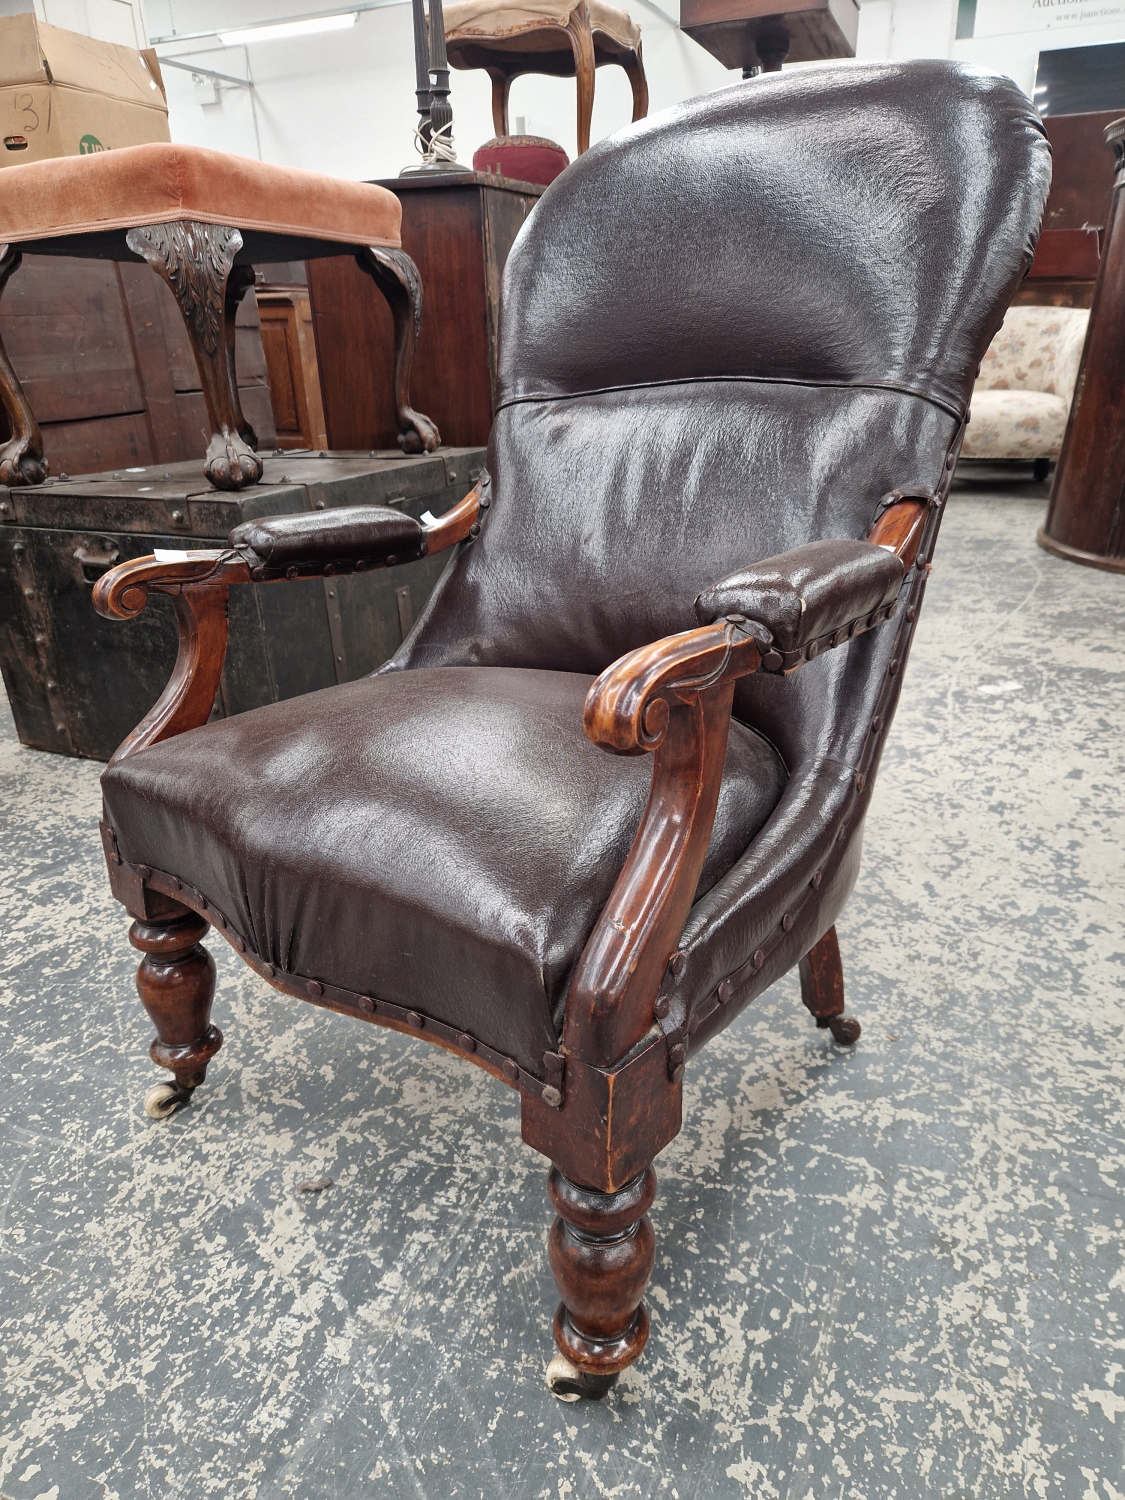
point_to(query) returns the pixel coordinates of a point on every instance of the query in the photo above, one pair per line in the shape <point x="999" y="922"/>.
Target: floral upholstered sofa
<point x="1022" y="396"/>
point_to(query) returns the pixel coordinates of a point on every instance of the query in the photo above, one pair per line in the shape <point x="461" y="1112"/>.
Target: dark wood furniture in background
<point x="1086" y="517"/>
<point x="77" y="684"/>
<point x="574" y="48"/>
<point x="105" y="362"/>
<point x="1066" y="259"/>
<point x="289" y="346"/>
<point x="173" y="207"/>
<point x="458" y="229"/>
<point x="763" y="34"/>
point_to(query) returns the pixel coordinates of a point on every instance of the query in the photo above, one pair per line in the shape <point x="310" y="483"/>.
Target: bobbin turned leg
<point x="176" y="983"/>
<point x="602" y="1251"/>
<point x="822" y="989"/>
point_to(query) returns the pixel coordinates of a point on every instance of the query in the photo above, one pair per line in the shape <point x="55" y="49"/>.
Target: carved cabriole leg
<point x="822" y="989"/>
<point x="239" y="282"/>
<point x="582" y="45"/>
<point x="602" y="1251"/>
<point x="176" y="983"/>
<point x="21" y="457"/>
<point x="635" y="72"/>
<point x="501" y="88"/>
<point x="396" y="276"/>
<point x="196" y="260"/>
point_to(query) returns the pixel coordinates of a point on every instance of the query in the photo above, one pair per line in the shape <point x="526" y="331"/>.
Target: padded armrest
<point x="355" y="536"/>
<point x="816" y="596"/>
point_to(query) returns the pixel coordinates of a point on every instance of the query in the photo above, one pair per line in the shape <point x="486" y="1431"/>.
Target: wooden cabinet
<point x="458" y="229"/>
<point x="1086" y="518"/>
<point x="285" y="313"/>
<point x="103" y="356"/>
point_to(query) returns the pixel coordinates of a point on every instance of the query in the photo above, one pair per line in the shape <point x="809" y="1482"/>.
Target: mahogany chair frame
<point x="198" y="263"/>
<point x="613" y="1095"/>
<point x="581" y="51"/>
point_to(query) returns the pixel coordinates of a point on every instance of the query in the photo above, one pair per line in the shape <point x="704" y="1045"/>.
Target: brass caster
<point x="164" y="1099"/>
<point x="569" y="1383"/>
<point x="845" y="1030"/>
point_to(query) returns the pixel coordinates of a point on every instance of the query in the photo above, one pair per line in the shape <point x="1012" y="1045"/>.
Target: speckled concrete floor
<point x="897" y="1272"/>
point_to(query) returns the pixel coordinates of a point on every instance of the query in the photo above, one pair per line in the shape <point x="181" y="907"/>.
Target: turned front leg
<point x="21" y="457"/>
<point x="602" y="1251"/>
<point x="196" y="261"/>
<point x="176" y="983"/>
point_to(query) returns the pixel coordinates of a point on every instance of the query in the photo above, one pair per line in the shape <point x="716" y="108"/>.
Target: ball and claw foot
<point x="164" y="1099"/>
<point x="569" y="1383"/>
<point x="230" y="464"/>
<point x="845" y="1030"/>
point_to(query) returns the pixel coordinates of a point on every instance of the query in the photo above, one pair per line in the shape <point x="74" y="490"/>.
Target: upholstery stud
<point x="466" y="1042"/>
<point x="787" y="921"/>
<point x="662" y="1006"/>
<point x="314" y="988"/>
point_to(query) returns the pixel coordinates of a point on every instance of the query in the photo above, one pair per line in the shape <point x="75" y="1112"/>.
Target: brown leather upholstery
<point x="726" y="333"/>
<point x="351" y="535"/>
<point x="809" y="592"/>
<point x="162" y="183"/>
<point x="442" y="840"/>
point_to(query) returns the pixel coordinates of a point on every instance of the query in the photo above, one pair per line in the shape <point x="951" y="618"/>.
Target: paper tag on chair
<point x="169" y="554"/>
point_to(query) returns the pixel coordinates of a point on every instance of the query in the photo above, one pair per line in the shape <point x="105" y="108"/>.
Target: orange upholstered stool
<point x="510" y="37"/>
<point x="200" y="219"/>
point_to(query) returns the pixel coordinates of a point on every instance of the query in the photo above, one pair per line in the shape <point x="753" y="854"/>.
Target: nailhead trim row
<point x="728" y="989"/>
<point x="332" y="997"/>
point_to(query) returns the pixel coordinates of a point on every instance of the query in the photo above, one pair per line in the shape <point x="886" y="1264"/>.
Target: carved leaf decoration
<point x="195" y="260"/>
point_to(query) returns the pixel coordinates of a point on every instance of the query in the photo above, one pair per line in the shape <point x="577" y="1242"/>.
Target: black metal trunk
<point x="78" y="683"/>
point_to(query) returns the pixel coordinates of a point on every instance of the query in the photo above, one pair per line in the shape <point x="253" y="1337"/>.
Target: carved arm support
<point x="673" y="698"/>
<point x="272" y="550"/>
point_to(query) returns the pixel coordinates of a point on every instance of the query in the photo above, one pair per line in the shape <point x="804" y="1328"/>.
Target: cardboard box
<point x="64" y="94"/>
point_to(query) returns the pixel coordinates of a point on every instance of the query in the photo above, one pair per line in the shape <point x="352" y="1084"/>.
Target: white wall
<point x="120" y="21"/>
<point x="343" y="102"/>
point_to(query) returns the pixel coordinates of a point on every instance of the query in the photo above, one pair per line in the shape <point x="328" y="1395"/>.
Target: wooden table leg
<point x="21" y="457"/>
<point x="196" y="261"/>
<point x="396" y="276"/>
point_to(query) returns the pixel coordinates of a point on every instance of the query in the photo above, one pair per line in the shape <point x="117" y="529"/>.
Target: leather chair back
<point x="730" y="329"/>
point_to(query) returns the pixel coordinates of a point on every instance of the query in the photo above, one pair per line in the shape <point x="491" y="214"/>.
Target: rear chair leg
<point x="176" y="983"/>
<point x="602" y="1251"/>
<point x="822" y="989"/>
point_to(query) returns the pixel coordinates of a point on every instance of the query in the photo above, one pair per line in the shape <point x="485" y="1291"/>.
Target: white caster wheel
<point x="564" y="1380"/>
<point x="568" y="1383"/>
<point x="164" y="1099"/>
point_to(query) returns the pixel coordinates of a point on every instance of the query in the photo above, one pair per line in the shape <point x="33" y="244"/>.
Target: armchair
<point x="702" y="545"/>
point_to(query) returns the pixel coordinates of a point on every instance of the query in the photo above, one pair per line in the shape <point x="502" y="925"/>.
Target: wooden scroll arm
<point x="197" y="584"/>
<point x="672" y="698"/>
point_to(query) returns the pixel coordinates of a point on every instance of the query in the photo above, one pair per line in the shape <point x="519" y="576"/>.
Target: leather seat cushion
<point x="442" y="839"/>
<point x="163" y="183"/>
